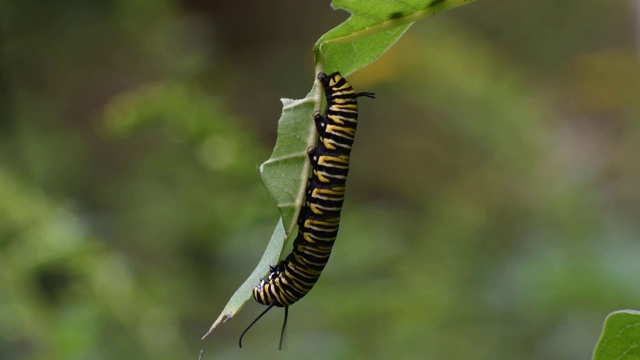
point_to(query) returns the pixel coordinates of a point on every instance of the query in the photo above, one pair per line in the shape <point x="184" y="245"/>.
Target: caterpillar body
<point x="319" y="218"/>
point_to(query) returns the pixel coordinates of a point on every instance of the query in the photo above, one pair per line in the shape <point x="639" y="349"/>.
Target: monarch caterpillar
<point x="319" y="217"/>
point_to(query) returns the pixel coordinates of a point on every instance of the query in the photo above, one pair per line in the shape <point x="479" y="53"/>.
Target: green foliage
<point x="365" y="36"/>
<point x="45" y="242"/>
<point x="370" y="30"/>
<point x="165" y="105"/>
<point x="620" y="338"/>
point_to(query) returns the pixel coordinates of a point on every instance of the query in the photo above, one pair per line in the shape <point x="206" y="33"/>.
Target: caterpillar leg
<point x="313" y="158"/>
<point x="303" y="213"/>
<point x="321" y="122"/>
<point x="304" y="208"/>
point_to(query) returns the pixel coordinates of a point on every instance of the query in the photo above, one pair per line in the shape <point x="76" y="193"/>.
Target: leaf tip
<point x="223" y="318"/>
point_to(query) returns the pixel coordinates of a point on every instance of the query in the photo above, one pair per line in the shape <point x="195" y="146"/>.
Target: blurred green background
<point x="493" y="200"/>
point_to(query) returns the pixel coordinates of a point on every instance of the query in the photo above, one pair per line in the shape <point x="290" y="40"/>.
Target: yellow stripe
<point x="332" y="144"/>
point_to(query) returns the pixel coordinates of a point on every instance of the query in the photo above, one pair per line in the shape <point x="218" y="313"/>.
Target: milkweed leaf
<point x="370" y="30"/>
<point x="285" y="173"/>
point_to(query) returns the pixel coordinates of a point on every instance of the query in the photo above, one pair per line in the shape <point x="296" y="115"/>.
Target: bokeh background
<point x="492" y="208"/>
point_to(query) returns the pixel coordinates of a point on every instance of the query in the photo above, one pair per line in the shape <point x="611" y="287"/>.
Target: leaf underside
<point x="373" y="27"/>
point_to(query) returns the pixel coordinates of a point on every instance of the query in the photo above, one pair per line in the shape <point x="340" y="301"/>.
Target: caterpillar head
<point x="329" y="80"/>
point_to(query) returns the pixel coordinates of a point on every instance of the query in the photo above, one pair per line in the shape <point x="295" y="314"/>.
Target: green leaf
<point x="240" y="297"/>
<point x="285" y="173"/>
<point x="372" y="28"/>
<point x="620" y="338"/>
